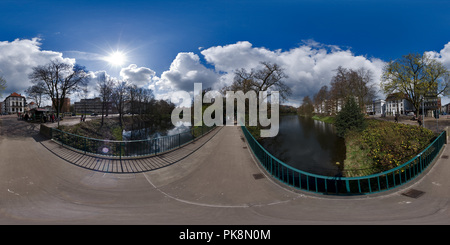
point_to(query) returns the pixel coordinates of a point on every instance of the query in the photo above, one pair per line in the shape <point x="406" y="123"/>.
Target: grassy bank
<point x="327" y="119"/>
<point x="382" y="146"/>
<point x="110" y="130"/>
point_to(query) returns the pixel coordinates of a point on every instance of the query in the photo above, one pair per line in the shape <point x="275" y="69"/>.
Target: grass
<point x="327" y="119"/>
<point x="357" y="161"/>
<point x="93" y="129"/>
<point x="383" y="145"/>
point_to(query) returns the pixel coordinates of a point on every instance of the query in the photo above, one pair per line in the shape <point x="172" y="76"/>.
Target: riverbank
<point x="383" y="145"/>
<point x="356" y="162"/>
<point x="327" y="119"/>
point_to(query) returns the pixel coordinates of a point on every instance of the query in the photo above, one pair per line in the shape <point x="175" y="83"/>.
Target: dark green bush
<point x="349" y="118"/>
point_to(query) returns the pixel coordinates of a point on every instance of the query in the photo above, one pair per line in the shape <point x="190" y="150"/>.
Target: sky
<point x="170" y="45"/>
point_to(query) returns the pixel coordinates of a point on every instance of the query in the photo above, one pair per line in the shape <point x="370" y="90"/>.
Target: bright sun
<point x="116" y="58"/>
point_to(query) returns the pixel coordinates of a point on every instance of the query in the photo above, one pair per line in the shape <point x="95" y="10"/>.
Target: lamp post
<point x="423" y="111"/>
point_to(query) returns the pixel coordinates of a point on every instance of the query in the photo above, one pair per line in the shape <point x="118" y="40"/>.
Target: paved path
<point x="212" y="185"/>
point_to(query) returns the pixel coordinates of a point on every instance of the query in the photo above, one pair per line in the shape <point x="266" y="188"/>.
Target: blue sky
<point x="176" y="39"/>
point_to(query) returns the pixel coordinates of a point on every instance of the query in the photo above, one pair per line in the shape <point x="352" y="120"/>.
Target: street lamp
<point x="423" y="111"/>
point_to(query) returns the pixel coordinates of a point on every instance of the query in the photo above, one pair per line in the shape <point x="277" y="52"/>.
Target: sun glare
<point x="116" y="58"/>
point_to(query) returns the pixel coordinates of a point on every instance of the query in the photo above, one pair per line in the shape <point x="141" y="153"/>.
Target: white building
<point x="396" y="103"/>
<point x="379" y="107"/>
<point x="14" y="103"/>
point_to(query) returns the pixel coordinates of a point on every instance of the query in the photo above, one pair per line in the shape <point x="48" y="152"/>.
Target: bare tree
<point x="362" y="85"/>
<point x="147" y="100"/>
<point x="243" y="81"/>
<point x="105" y="88"/>
<point x="119" y="97"/>
<point x="307" y="107"/>
<point x="36" y="92"/>
<point x="269" y="78"/>
<point x="321" y="99"/>
<point x="60" y="79"/>
<point x="352" y="83"/>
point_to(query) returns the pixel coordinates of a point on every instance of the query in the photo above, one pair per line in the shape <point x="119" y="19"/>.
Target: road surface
<point x="212" y="185"/>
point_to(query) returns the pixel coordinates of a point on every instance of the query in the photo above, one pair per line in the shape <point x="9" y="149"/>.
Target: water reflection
<point x="153" y="140"/>
<point x="152" y="132"/>
<point x="307" y="145"/>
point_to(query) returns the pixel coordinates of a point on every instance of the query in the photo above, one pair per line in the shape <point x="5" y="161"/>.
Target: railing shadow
<point x="125" y="165"/>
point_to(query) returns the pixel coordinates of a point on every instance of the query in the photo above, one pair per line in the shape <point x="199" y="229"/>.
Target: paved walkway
<point x="126" y="164"/>
<point x="212" y="185"/>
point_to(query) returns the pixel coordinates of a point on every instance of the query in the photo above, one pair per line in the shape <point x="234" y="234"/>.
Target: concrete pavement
<point x="215" y="184"/>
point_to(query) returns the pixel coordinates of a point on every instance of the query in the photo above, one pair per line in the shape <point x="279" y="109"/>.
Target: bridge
<point x="213" y="181"/>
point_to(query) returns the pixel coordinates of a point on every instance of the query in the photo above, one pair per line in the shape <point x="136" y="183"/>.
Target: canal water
<point x="308" y="145"/>
<point x="153" y="140"/>
<point x="154" y="132"/>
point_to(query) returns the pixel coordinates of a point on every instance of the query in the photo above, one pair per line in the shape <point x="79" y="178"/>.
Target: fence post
<point x="120" y="151"/>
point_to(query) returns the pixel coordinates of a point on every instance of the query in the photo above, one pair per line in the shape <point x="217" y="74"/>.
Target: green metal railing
<point x="346" y="185"/>
<point x="131" y="148"/>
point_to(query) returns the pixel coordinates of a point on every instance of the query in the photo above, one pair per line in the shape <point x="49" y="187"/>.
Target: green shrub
<point x="349" y="118"/>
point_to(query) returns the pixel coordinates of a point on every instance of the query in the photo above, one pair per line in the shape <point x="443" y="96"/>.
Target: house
<point x="14" y="103"/>
<point x="31" y="106"/>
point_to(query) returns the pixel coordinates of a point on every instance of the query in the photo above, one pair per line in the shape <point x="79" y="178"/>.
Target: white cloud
<point x="17" y="58"/>
<point x="235" y="56"/>
<point x="443" y="55"/>
<point x="308" y="66"/>
<point x="139" y="76"/>
<point x="184" y="71"/>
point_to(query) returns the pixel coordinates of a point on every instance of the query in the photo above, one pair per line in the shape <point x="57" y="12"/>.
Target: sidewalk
<point x="435" y="125"/>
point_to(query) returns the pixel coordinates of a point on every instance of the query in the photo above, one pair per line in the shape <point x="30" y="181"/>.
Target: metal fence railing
<point x="346" y="185"/>
<point x="131" y="148"/>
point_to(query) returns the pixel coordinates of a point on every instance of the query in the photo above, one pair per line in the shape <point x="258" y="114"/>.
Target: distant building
<point x="431" y="103"/>
<point x="445" y="109"/>
<point x="377" y="107"/>
<point x="31" y="106"/>
<point x="14" y="103"/>
<point x="65" y="105"/>
<point x="397" y="103"/>
<point x="88" y="106"/>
